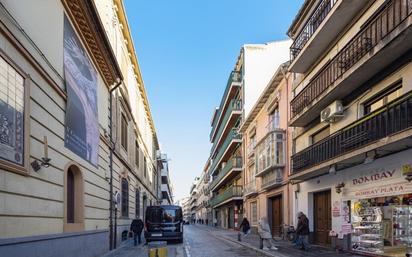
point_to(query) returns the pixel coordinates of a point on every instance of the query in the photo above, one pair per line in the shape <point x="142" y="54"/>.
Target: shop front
<point x="369" y="207"/>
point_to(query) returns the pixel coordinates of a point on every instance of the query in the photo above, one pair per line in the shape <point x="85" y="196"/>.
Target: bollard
<point x="261" y="243"/>
<point x="239" y="237"/>
<point x="157" y="249"/>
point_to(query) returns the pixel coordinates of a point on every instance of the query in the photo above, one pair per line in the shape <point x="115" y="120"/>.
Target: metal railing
<point x="233" y="134"/>
<point x="394" y="12"/>
<point x="250" y="188"/>
<point x="233" y="163"/>
<point x="235" y="76"/>
<point x="388" y="120"/>
<point x="235" y="105"/>
<point x="311" y="26"/>
<point x="230" y="192"/>
<point x="274" y="177"/>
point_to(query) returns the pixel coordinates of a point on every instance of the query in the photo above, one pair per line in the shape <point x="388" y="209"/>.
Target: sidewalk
<point x="286" y="249"/>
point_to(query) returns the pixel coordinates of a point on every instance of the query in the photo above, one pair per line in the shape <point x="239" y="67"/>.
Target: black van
<point x="164" y="222"/>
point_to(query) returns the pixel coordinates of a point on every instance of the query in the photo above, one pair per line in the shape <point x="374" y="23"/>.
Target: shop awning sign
<point x="378" y="191"/>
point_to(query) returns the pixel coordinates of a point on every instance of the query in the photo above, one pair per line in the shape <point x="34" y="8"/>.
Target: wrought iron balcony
<point x="250" y="188"/>
<point x="272" y="179"/>
<point x="231" y="192"/>
<point x="374" y="32"/>
<point x="311" y="26"/>
<point x="235" y="77"/>
<point x="233" y="136"/>
<point x="235" y="163"/>
<point x="393" y="118"/>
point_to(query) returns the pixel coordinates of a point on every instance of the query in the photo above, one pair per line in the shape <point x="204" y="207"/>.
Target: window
<point x="124" y="132"/>
<point x="164" y="180"/>
<point x="70" y="196"/>
<point x="12" y="114"/>
<point x="270" y="152"/>
<point x="145" y="167"/>
<point x="137" y="203"/>
<point x="321" y="134"/>
<point x="136" y="154"/>
<point x="253" y="213"/>
<point x="125" y="198"/>
<point x="274" y="120"/>
<point x="383" y="99"/>
<point x="74" y="199"/>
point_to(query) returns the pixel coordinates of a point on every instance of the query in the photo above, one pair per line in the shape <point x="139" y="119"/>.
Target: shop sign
<point x="376" y="176"/>
<point x="392" y="189"/>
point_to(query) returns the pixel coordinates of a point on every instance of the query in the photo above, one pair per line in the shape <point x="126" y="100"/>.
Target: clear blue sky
<point x="186" y="50"/>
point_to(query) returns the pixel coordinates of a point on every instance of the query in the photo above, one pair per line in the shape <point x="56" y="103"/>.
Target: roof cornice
<point x="86" y="20"/>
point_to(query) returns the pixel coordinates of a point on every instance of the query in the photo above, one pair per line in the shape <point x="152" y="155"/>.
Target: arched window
<point x="70" y="196"/>
<point x="125" y="198"/>
<point x="74" y="194"/>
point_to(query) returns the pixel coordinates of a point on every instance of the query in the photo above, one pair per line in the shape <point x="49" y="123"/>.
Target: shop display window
<point x="382" y="226"/>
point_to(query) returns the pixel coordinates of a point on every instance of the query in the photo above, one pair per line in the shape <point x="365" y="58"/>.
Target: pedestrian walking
<point x="245" y="226"/>
<point x="215" y="222"/>
<point x="136" y="227"/>
<point x="265" y="234"/>
<point x="302" y="232"/>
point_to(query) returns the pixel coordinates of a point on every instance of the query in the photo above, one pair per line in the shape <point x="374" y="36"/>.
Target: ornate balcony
<point x="358" y="61"/>
<point x="272" y="179"/>
<point x="231" y="193"/>
<point x="394" y="118"/>
<point x="270" y="152"/>
<point x="250" y="189"/>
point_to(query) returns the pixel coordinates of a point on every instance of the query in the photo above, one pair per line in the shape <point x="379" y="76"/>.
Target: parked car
<point x="164" y="223"/>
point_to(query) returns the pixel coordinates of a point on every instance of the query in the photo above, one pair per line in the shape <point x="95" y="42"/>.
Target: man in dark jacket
<point x="136" y="227"/>
<point x="245" y="226"/>
<point x="302" y="231"/>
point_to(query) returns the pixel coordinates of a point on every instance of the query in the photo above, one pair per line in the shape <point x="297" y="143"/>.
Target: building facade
<point x="266" y="147"/>
<point x="351" y="112"/>
<point x="253" y="70"/>
<point x="166" y="196"/>
<point x="75" y="118"/>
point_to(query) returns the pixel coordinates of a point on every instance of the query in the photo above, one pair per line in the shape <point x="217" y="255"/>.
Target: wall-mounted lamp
<point x="370" y="157"/>
<point x="339" y="187"/>
<point x="332" y="169"/>
<point x="45" y="161"/>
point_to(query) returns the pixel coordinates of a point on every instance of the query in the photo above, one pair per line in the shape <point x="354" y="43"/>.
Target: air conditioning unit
<point x="332" y="112"/>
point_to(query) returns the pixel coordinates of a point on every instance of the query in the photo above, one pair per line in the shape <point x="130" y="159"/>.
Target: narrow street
<point x="203" y="241"/>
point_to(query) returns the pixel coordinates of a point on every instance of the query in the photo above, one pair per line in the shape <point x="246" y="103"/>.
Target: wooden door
<point x="277" y="215"/>
<point x="322" y="217"/>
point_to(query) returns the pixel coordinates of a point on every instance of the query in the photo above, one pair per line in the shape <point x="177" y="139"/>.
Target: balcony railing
<point x="273" y="178"/>
<point x="235" y="76"/>
<point x="311" y="26"/>
<point x="394" y="12"/>
<point x="235" y="105"/>
<point x="233" y="134"/>
<point x="231" y="192"/>
<point x="386" y="121"/>
<point x="250" y="188"/>
<point x="233" y="163"/>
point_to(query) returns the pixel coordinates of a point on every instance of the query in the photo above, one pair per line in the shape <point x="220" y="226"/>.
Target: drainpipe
<point x="111" y="148"/>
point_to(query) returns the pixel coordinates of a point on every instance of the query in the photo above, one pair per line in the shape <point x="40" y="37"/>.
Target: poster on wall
<point x="82" y="125"/>
<point x="11" y="114"/>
